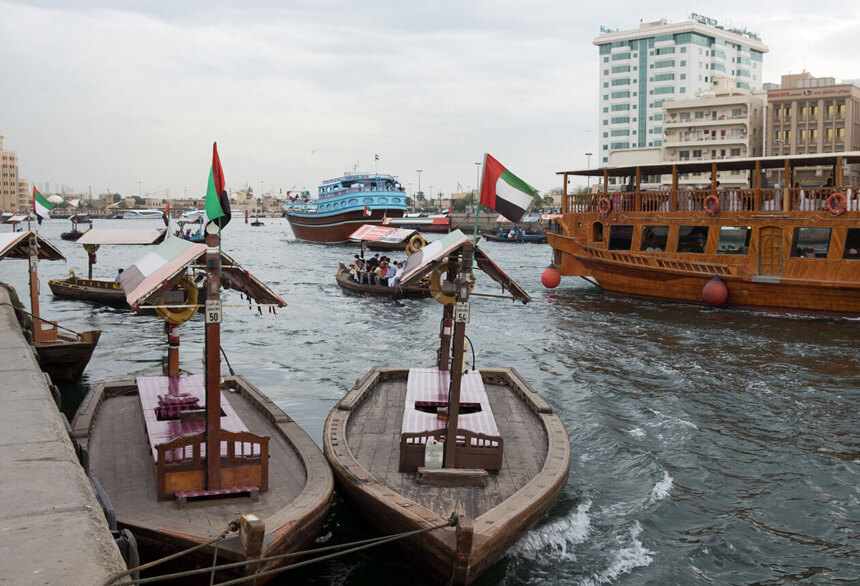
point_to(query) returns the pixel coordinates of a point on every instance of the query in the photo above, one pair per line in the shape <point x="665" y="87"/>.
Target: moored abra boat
<point x="776" y="248"/>
<point x="502" y="473"/>
<point x="347" y="283"/>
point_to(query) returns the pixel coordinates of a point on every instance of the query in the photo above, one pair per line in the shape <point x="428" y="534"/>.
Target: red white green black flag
<point x="41" y="205"/>
<point x="503" y="191"/>
<point x="217" y="202"/>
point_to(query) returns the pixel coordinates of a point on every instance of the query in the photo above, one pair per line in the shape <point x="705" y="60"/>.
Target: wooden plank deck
<point x="373" y="435"/>
<point x="120" y="458"/>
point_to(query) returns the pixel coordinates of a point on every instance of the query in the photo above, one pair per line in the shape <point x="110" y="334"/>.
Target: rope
<point x="353" y="547"/>
<point x="21" y="309"/>
<point x="233" y="526"/>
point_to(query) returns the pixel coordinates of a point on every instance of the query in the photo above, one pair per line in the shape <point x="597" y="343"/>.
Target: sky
<point x="128" y="96"/>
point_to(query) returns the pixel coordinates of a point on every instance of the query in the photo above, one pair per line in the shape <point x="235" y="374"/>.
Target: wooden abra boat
<point x="502" y="473"/>
<point x="777" y="248"/>
<point x="387" y="238"/>
<point x="348" y="284"/>
<point x="106" y="291"/>
<point x="62" y="354"/>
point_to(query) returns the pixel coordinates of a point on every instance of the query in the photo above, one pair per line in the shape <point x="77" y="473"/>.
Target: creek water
<point x="708" y="445"/>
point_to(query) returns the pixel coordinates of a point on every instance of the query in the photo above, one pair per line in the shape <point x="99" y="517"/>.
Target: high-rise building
<point x="642" y="68"/>
<point x="8" y="180"/>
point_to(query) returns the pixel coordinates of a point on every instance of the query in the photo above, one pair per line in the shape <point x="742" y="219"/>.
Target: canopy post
<point x="714" y="178"/>
<point x="673" y="195"/>
<point x="34" y="283"/>
<point x="637" y="197"/>
<point x="172" y="349"/>
<point x="463" y="280"/>
<point x="837" y="173"/>
<point x="445" y="332"/>
<point x="565" y="206"/>
<point x="605" y="181"/>
<point x="756" y="184"/>
<point x="786" y="188"/>
<point x="213" y="361"/>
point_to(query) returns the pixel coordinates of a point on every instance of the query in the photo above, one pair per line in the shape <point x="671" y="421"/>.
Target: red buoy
<point x="715" y="292"/>
<point x="551" y="277"/>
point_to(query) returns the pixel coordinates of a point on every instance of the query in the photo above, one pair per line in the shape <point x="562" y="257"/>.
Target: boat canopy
<point x="168" y="261"/>
<point x="17" y="245"/>
<point x="526" y="219"/>
<point x="371" y="233"/>
<point x="734" y="164"/>
<point x="424" y="221"/>
<point x="423" y="261"/>
<point x="18" y="218"/>
<point x="119" y="236"/>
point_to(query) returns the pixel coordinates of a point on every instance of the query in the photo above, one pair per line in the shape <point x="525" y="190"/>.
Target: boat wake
<point x="631" y="554"/>
<point x="557" y="539"/>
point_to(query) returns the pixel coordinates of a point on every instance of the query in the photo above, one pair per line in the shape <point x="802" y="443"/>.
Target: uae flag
<point x="217" y="202"/>
<point x="41" y="205"/>
<point x="503" y="191"/>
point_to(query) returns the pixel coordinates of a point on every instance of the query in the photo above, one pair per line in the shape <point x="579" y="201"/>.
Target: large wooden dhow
<point x="776" y="248"/>
<point x="501" y="474"/>
<point x="62" y="353"/>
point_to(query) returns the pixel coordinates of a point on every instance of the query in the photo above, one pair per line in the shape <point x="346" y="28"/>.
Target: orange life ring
<point x="712" y="205"/>
<point x="604" y="206"/>
<point x="836" y="203"/>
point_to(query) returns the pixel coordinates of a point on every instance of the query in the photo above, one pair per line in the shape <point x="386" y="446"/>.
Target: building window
<point x="620" y="237"/>
<point x="852" y="244"/>
<point x="692" y="239"/>
<point x="734" y="240"/>
<point x="811" y="243"/>
<point x="667" y="63"/>
<point x="654" y="238"/>
<point x="620" y="107"/>
<point x="664" y="90"/>
<point x="622" y="81"/>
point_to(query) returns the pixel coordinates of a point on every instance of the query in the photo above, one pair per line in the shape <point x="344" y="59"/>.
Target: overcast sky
<point x="106" y="94"/>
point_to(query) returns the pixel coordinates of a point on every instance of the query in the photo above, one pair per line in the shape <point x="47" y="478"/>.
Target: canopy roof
<point x="120" y="236"/>
<point x="371" y="233"/>
<point x="422" y="262"/>
<point x="17" y="245"/>
<point x="163" y="266"/>
<point x="426" y="221"/>
<point x="738" y="164"/>
<point x="18" y="218"/>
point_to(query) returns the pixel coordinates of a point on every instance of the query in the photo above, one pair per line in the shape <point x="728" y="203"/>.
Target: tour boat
<point x="422" y="223"/>
<point x="530" y="229"/>
<point x="346" y="282"/>
<point x="149" y="439"/>
<point x="474" y="496"/>
<point x="344" y="203"/>
<point x="106" y="291"/>
<point x="764" y="247"/>
<point x="146" y="214"/>
<point x="387" y="238"/>
<point x="62" y="353"/>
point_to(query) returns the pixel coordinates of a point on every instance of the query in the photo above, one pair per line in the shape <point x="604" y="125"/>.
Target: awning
<point x="169" y="260"/>
<point x="422" y="262"/>
<point x="17" y="219"/>
<point x="524" y="220"/>
<point x="371" y="233"/>
<point x="17" y="245"/>
<point x="119" y="236"/>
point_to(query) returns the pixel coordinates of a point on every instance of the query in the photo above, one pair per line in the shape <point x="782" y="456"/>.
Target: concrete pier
<point x="52" y="529"/>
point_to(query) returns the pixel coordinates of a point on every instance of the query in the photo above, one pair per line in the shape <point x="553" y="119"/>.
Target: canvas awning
<point x="161" y="267"/>
<point x="422" y="262"/>
<point x="18" y="219"/>
<point x="524" y="220"/>
<point x="371" y="233"/>
<point x="17" y="245"/>
<point x="140" y="236"/>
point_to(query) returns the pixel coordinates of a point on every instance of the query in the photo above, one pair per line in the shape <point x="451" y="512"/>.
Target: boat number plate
<point x="213" y="311"/>
<point x="34" y="262"/>
<point x="461" y="312"/>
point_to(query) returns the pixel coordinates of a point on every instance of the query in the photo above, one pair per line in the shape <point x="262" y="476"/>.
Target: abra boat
<point x="106" y="291"/>
<point x="343" y="204"/>
<point x="191" y="224"/>
<point x="145" y="214"/>
<point x="346" y="282"/>
<point x="775" y="248"/>
<point x="387" y="238"/>
<point x="437" y="223"/>
<point x="530" y="229"/>
<point x="503" y="471"/>
<point x="149" y="439"/>
<point x="62" y="354"/>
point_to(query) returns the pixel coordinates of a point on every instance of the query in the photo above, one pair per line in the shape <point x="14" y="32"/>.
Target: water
<point x="709" y="446"/>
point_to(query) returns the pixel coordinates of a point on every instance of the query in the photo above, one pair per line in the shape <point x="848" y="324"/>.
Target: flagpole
<point x="477" y="199"/>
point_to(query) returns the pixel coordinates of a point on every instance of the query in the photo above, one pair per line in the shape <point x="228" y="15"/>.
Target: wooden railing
<point x="704" y="268"/>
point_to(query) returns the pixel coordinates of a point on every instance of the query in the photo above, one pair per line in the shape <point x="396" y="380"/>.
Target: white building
<point x="641" y="68"/>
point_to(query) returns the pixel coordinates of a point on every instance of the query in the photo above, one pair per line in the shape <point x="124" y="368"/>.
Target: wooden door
<point x="770" y="255"/>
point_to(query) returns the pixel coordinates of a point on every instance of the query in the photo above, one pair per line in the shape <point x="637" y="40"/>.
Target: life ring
<point x="91" y="248"/>
<point x="181" y="314"/>
<point x="604" y="206"/>
<point x="415" y="244"/>
<point x="837" y="203"/>
<point x="711" y="205"/>
<point x="437" y="278"/>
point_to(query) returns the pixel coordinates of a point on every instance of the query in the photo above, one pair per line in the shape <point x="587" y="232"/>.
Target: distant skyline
<point x="129" y="96"/>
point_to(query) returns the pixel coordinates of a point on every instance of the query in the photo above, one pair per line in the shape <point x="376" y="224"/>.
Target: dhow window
<point x="811" y="243"/>
<point x="734" y="240"/>
<point x="620" y="237"/>
<point x="692" y="239"/>
<point x="654" y="238"/>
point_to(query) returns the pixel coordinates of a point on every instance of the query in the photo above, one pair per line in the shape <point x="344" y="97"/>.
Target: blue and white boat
<point x="343" y="204"/>
<point x="145" y="214"/>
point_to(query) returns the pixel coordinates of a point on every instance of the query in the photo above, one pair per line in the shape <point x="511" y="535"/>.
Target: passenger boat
<point x="149" y="439"/>
<point x="74" y="233"/>
<point x="146" y="214"/>
<point x="387" y="238"/>
<point x="191" y="225"/>
<point x="771" y="248"/>
<point x="502" y="473"/>
<point x="530" y="229"/>
<point x="106" y="291"/>
<point x="343" y="204"/>
<point x="438" y="223"/>
<point x="345" y="281"/>
<point x="61" y="353"/>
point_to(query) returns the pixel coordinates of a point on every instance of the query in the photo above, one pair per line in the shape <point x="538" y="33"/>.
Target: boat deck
<point x="121" y="459"/>
<point x="373" y="435"/>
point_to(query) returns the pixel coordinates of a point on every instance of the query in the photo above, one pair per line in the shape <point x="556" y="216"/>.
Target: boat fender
<point x="837" y="203"/>
<point x="604" y="206"/>
<point x="715" y="292"/>
<point x="433" y="453"/>
<point x="415" y="244"/>
<point x="127" y="545"/>
<point x="551" y="277"/>
<point x="104" y="501"/>
<point x="712" y="205"/>
<point x="183" y="314"/>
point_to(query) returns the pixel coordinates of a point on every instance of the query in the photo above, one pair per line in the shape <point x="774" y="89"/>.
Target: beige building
<point x="25" y="197"/>
<point x="725" y="122"/>
<point x="8" y="180"/>
<point x="808" y="114"/>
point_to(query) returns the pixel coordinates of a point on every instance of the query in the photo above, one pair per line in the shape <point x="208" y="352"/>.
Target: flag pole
<point x="479" y="187"/>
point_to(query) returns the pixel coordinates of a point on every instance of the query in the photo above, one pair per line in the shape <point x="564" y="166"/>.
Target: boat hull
<point x="97" y="290"/>
<point x="66" y="358"/>
<point x="347" y="284"/>
<point x="335" y="229"/>
<point x="528" y="238"/>
<point x="390" y="511"/>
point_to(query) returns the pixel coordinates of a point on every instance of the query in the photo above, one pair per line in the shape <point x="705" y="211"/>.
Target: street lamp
<point x="588" y="165"/>
<point x="419" y="194"/>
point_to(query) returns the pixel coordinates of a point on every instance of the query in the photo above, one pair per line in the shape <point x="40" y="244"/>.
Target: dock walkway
<point x="52" y="529"/>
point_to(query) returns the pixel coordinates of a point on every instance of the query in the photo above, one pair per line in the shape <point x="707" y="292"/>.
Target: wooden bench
<point x="479" y="443"/>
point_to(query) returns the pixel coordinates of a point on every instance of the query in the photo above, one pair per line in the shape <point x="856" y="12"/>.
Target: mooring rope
<point x="22" y="310"/>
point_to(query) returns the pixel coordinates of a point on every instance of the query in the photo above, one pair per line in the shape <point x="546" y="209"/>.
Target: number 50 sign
<point x="213" y="311"/>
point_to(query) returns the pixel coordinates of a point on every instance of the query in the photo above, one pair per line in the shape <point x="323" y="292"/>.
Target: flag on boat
<point x="166" y="215"/>
<point x="376" y="157"/>
<point x="503" y="191"/>
<point x="41" y="206"/>
<point x="367" y="212"/>
<point x="217" y="202"/>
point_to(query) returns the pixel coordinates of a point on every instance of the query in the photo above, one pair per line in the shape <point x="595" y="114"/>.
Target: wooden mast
<point x="462" y="296"/>
<point x="34" y="285"/>
<point x="213" y="358"/>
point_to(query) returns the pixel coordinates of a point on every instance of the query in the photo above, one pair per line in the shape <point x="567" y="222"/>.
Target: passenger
<point x="381" y="278"/>
<point x="390" y="273"/>
<point x="512" y="234"/>
<point x="398" y="274"/>
<point x="118" y="274"/>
